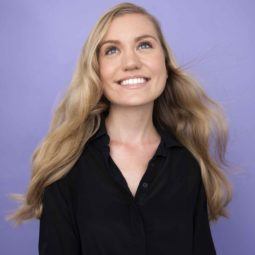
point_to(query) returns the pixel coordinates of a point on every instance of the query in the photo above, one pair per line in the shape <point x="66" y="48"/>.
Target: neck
<point x="131" y="125"/>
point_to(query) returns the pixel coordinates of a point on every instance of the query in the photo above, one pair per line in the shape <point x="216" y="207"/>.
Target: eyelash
<point x="113" y="47"/>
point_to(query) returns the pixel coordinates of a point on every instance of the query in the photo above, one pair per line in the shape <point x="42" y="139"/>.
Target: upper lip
<point x="132" y="77"/>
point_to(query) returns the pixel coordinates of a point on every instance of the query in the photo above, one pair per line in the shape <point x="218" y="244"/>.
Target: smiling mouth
<point x="133" y="81"/>
<point x="134" y="84"/>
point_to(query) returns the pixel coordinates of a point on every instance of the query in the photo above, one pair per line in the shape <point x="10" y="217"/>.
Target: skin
<point x="129" y="122"/>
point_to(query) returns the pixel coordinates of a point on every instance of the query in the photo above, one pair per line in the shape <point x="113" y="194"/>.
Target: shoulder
<point x="187" y="163"/>
<point x="76" y="175"/>
<point x="60" y="188"/>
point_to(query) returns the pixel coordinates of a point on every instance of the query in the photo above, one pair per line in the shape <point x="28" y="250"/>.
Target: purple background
<point x="40" y="43"/>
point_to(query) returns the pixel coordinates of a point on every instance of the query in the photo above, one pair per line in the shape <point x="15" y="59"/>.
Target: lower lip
<point x="135" y="86"/>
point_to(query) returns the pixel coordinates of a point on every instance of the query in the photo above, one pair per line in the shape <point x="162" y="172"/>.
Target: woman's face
<point x="132" y="49"/>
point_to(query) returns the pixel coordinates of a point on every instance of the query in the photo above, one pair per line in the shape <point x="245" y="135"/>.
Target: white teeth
<point x="133" y="81"/>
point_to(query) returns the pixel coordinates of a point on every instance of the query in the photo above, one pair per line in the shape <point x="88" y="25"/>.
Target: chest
<point x="132" y="162"/>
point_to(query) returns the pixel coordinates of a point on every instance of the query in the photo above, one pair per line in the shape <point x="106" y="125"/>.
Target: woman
<point x="126" y="166"/>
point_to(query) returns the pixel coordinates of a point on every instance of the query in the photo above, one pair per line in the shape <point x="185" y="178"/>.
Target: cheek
<point x="106" y="71"/>
<point x="158" y="68"/>
<point x="156" y="63"/>
<point x="159" y="65"/>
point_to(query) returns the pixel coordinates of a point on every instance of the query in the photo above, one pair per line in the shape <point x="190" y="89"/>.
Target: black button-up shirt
<point x="91" y="210"/>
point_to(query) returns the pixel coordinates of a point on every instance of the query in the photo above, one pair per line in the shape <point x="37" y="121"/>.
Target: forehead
<point x="130" y="25"/>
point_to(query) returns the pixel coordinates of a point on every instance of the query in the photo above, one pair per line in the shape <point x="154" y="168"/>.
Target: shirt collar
<point x="166" y="135"/>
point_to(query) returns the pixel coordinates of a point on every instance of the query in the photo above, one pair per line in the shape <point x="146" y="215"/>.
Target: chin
<point x="133" y="102"/>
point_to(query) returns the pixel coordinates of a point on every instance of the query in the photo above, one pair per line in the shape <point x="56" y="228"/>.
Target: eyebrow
<point x="138" y="38"/>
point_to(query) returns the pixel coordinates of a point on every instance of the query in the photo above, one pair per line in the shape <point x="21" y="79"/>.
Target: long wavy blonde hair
<point x="183" y="108"/>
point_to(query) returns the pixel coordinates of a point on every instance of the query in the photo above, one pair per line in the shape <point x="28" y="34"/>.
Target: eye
<point x="145" y="43"/>
<point x="109" y="49"/>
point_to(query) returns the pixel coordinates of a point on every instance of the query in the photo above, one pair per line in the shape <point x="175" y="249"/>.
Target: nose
<point x="130" y="60"/>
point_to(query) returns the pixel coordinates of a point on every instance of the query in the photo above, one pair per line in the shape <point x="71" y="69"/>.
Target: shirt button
<point x="145" y="185"/>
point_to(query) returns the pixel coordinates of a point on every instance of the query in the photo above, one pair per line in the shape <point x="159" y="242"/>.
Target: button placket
<point x="142" y="194"/>
<point x="141" y="199"/>
<point x="145" y="186"/>
<point x="145" y="183"/>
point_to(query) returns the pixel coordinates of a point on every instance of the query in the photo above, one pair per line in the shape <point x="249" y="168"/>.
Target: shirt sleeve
<point x="56" y="230"/>
<point x="202" y="239"/>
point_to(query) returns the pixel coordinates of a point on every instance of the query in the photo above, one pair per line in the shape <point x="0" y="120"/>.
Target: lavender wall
<point x="40" y="43"/>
